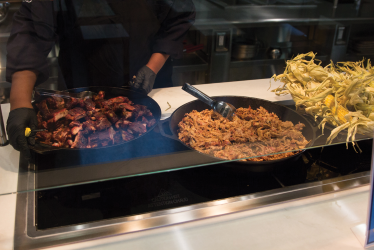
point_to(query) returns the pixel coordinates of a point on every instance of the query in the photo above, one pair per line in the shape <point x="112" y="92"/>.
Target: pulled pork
<point x="252" y="135"/>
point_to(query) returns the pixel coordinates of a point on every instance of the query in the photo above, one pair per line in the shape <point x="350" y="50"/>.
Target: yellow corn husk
<point x="371" y="116"/>
<point x="333" y="92"/>
<point x="317" y="72"/>
<point x="329" y="101"/>
<point x="340" y="113"/>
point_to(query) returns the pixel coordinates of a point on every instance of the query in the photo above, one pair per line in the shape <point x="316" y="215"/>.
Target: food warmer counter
<point x="65" y="197"/>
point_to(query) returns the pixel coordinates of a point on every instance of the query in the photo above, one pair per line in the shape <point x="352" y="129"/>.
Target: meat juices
<point x="91" y="122"/>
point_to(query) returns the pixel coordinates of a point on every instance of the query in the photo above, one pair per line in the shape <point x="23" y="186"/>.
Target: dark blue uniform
<point x="101" y="42"/>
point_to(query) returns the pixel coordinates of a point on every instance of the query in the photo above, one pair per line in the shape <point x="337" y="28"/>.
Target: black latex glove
<point x="17" y="122"/>
<point x="144" y="79"/>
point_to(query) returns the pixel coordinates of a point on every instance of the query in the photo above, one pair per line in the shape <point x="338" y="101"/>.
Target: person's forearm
<point x="156" y="61"/>
<point x="21" y="91"/>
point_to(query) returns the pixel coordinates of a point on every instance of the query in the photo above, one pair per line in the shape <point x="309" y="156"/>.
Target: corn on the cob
<point x="352" y="82"/>
<point x="340" y="113"/>
<point x="329" y="101"/>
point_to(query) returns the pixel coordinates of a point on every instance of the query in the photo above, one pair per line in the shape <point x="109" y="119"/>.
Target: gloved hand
<point x="144" y="79"/>
<point x="18" y="120"/>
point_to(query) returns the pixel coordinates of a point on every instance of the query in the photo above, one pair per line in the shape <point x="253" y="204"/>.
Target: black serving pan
<point x="110" y="92"/>
<point x="284" y="113"/>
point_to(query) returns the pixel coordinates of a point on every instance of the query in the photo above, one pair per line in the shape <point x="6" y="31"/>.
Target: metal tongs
<point x="226" y="110"/>
<point x="49" y="92"/>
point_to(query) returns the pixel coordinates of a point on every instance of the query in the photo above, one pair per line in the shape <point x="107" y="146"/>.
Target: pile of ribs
<point x="91" y="122"/>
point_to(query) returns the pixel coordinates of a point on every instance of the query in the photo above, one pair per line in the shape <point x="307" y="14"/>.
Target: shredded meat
<point x="252" y="135"/>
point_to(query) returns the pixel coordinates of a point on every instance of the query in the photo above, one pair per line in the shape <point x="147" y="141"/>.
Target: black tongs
<point x="226" y="110"/>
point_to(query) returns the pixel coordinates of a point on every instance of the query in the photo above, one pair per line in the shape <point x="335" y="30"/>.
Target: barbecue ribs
<point x="76" y="114"/>
<point x="91" y="122"/>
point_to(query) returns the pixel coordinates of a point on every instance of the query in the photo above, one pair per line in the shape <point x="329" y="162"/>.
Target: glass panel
<point x="129" y="61"/>
<point x="138" y="195"/>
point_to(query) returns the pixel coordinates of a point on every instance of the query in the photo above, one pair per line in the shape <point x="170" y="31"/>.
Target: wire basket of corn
<point x="341" y="95"/>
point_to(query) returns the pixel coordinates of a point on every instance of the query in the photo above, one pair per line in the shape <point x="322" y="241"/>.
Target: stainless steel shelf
<point x="190" y="62"/>
<point x="218" y="14"/>
<point x="225" y="5"/>
<point x="352" y="56"/>
<point x="254" y="62"/>
<point x="264" y="61"/>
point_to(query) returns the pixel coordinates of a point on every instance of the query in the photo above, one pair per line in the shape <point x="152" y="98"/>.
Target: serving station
<point x="67" y="197"/>
<point x="145" y="173"/>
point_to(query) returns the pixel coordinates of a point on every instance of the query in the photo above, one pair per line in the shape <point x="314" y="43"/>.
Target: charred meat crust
<point x="58" y="114"/>
<point x="76" y="114"/>
<point x="111" y="115"/>
<point x="74" y="102"/>
<point x="91" y="122"/>
<point x="99" y="96"/>
<point x="80" y="141"/>
<point x="44" y="137"/>
<point x="56" y="102"/>
<point x="89" y="104"/>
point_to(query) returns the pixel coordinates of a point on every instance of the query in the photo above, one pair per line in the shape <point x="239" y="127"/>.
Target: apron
<point x="105" y="42"/>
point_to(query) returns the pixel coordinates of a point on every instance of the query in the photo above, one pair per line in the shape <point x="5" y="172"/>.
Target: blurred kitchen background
<point x="235" y="40"/>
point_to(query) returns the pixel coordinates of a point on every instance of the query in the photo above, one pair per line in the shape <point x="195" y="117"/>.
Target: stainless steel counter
<point x="27" y="236"/>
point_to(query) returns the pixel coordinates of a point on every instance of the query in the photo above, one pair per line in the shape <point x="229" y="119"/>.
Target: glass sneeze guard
<point x="80" y="50"/>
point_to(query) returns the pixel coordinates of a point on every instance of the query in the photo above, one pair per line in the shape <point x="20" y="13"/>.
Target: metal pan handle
<point x="162" y="131"/>
<point x="198" y="94"/>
